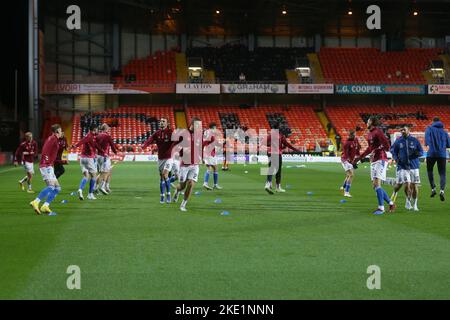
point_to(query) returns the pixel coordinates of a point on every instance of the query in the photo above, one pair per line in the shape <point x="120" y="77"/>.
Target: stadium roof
<point x="235" y="17"/>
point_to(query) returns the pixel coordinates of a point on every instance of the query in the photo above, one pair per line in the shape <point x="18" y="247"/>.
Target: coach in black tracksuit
<point x="59" y="163"/>
<point x="437" y="140"/>
<point x="278" y="151"/>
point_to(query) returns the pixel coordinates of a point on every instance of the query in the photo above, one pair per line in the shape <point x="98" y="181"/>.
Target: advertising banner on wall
<point x="79" y="88"/>
<point x="380" y="89"/>
<point x="439" y="89"/>
<point x="142" y="88"/>
<point x="108" y="88"/>
<point x="253" y="88"/>
<point x="198" y="88"/>
<point x="304" y="88"/>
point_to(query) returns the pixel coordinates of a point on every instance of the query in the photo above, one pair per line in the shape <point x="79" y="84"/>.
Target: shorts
<point x="175" y="167"/>
<point x="347" y="166"/>
<point x="211" y="161"/>
<point x="408" y="176"/>
<point x="48" y="174"/>
<point x="378" y="170"/>
<point x="104" y="164"/>
<point x="165" y="165"/>
<point x="189" y="173"/>
<point x="88" y="165"/>
<point x="29" y="167"/>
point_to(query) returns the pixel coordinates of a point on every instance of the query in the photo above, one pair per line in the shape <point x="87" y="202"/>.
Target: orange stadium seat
<point x="370" y="65"/>
<point x="160" y="67"/>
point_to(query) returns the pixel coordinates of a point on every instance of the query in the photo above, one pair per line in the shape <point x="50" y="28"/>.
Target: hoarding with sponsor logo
<point x="198" y="88"/>
<point x="439" y="89"/>
<point x="253" y="88"/>
<point x="108" y="88"/>
<point x="380" y="89"/>
<point x="307" y="88"/>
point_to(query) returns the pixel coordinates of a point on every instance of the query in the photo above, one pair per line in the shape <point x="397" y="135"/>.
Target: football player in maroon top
<point x="25" y="155"/>
<point x="210" y="158"/>
<point x="163" y="139"/>
<point x="191" y="157"/>
<point x="88" y="161"/>
<point x="106" y="143"/>
<point x="48" y="158"/>
<point x="378" y="146"/>
<point x="350" y="152"/>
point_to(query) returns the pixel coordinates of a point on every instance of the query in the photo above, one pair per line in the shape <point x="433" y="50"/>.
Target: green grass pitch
<point x="285" y="246"/>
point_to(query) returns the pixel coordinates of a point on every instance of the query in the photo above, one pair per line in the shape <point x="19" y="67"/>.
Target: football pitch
<point x="304" y="244"/>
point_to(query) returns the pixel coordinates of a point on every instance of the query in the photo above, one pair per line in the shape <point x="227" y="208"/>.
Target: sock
<point x="52" y="195"/>
<point x="91" y="185"/>
<point x="216" y="177"/>
<point x="83" y="183"/>
<point x="206" y="177"/>
<point x="183" y="203"/>
<point x="29" y="186"/>
<point x="347" y="187"/>
<point x="415" y="202"/>
<point x="103" y="184"/>
<point x="345" y="184"/>
<point x="269" y="179"/>
<point x="278" y="186"/>
<point x="107" y="185"/>
<point x="43" y="194"/>
<point x="23" y="179"/>
<point x="173" y="179"/>
<point x="162" y="187"/>
<point x="167" y="183"/>
<point x="380" y="196"/>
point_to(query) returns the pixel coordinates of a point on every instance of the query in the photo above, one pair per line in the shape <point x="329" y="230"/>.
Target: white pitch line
<point x="10" y="169"/>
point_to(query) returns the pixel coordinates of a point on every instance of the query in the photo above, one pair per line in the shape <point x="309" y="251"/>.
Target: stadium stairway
<point x="180" y="119"/>
<point x="67" y="125"/>
<point x="292" y="76"/>
<point x="446" y="59"/>
<point x="209" y="76"/>
<point x="316" y="69"/>
<point x="325" y="121"/>
<point x="181" y="67"/>
<point x="428" y="76"/>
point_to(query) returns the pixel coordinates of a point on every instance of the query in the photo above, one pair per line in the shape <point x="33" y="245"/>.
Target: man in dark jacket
<point x="437" y="140"/>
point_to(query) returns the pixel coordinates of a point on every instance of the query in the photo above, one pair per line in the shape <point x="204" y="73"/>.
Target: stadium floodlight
<point x="303" y="71"/>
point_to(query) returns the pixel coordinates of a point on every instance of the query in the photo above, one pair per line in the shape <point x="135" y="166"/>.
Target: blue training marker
<point x="343" y="201"/>
<point x="64" y="201"/>
<point x="224" y="213"/>
<point x="310" y="193"/>
<point x="288" y="186"/>
<point x="72" y="193"/>
<point x="218" y="200"/>
<point x="197" y="193"/>
<point x="52" y="213"/>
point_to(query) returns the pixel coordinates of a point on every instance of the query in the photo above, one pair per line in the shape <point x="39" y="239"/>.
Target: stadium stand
<point x="346" y="117"/>
<point x="159" y="67"/>
<point x="370" y="65"/>
<point x="130" y="125"/>
<point x="262" y="64"/>
<point x="306" y="130"/>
